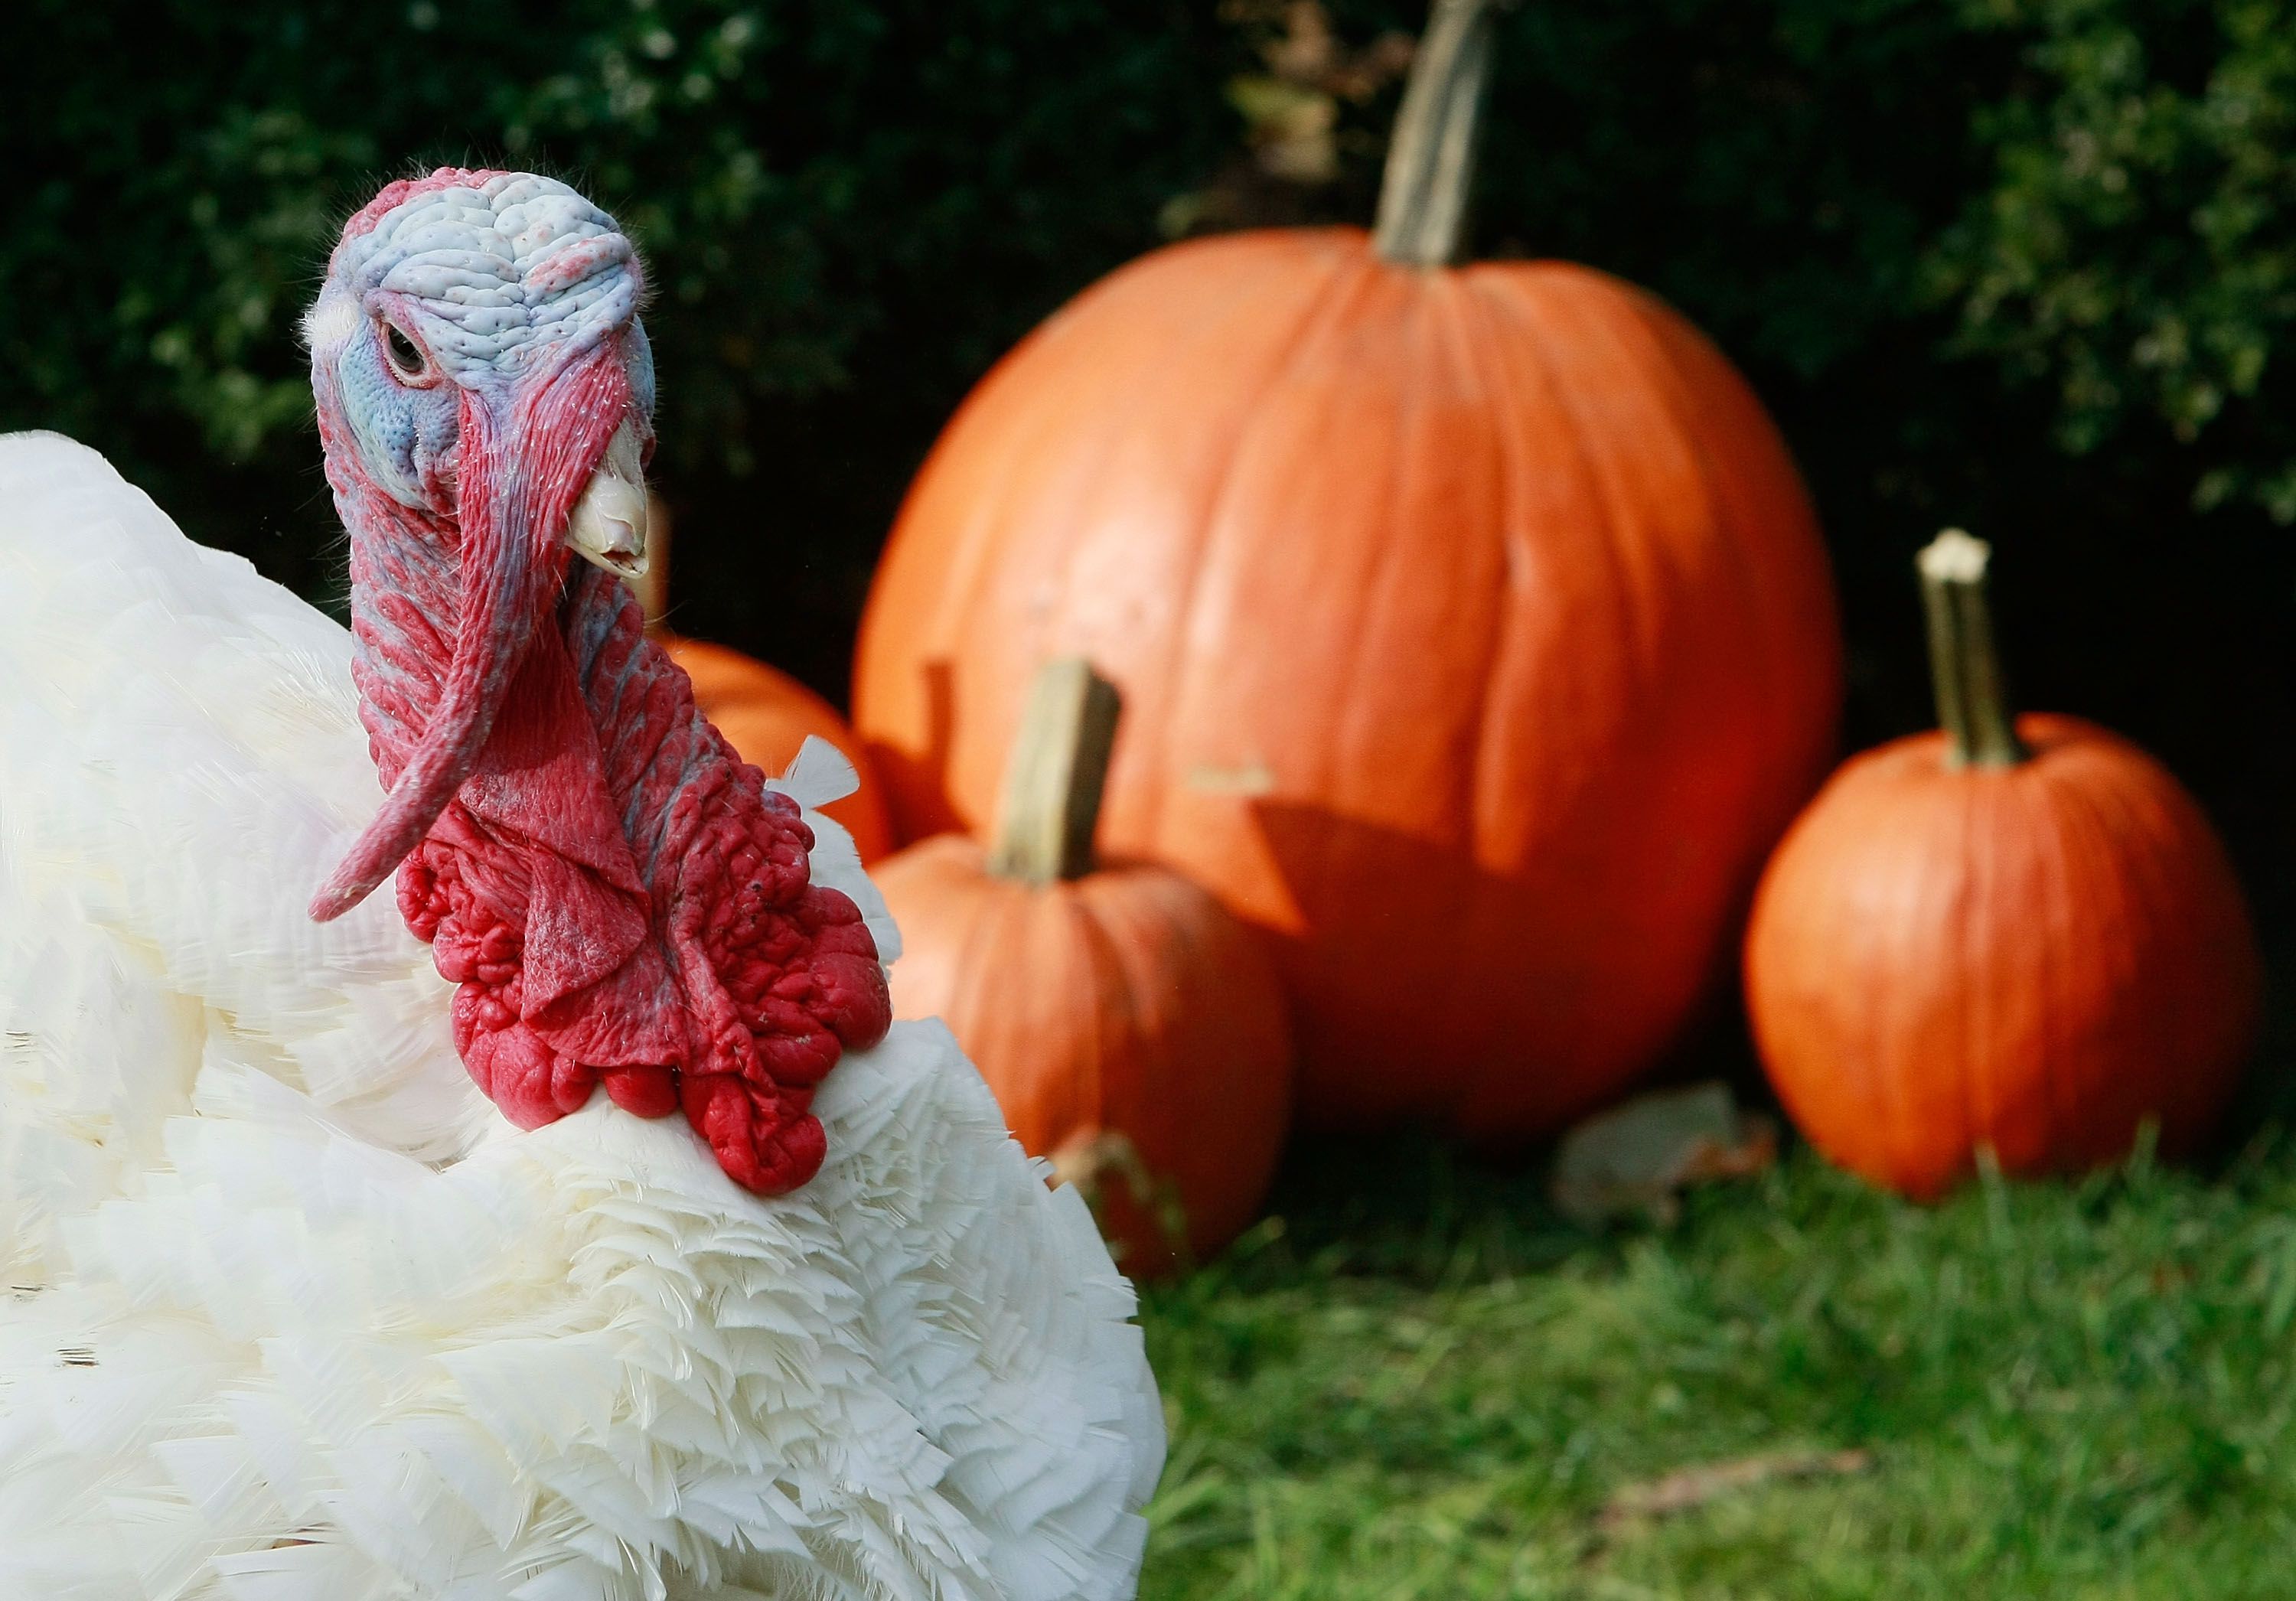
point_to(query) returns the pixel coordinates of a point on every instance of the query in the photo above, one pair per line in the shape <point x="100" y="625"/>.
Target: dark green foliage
<point x="2134" y="253"/>
<point x="857" y="199"/>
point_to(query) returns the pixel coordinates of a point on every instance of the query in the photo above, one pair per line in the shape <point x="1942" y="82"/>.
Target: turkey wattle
<point x="292" y="1312"/>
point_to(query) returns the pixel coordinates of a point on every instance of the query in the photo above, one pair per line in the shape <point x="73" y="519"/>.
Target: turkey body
<point x="291" y="1312"/>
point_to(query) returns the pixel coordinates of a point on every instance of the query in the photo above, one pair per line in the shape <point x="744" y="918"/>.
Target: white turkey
<point x="331" y="1274"/>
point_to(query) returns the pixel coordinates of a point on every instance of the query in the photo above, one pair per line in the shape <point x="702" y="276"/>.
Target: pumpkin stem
<point x="1430" y="160"/>
<point x="1054" y="778"/>
<point x="1973" y="700"/>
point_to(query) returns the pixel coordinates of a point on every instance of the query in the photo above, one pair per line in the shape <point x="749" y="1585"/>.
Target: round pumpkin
<point x="1131" y="1028"/>
<point x="2019" y="934"/>
<point x="1474" y="630"/>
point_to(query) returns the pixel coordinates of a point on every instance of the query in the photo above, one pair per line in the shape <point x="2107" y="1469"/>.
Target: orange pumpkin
<point x="1475" y="633"/>
<point x="2022" y="935"/>
<point x="1132" y="1029"/>
<point x="763" y="713"/>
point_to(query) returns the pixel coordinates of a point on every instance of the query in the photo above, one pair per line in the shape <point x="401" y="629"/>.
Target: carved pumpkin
<point x="2016" y="934"/>
<point x="1475" y="633"/>
<point x="1132" y="1030"/>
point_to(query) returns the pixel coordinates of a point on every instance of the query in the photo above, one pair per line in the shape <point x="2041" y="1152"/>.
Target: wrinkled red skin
<point x="616" y="895"/>
<point x="704" y="970"/>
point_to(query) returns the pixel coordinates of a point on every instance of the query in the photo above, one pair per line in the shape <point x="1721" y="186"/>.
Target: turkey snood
<point x="617" y="896"/>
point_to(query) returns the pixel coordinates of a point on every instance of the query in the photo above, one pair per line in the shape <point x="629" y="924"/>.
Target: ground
<point x="1433" y="1386"/>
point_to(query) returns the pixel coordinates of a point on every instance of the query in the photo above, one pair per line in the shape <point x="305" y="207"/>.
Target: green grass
<point x="1415" y="1380"/>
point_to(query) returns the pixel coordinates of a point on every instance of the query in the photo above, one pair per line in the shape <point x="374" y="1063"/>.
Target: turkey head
<point x="615" y="894"/>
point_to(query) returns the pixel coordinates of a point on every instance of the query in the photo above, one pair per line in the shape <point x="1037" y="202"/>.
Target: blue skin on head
<point x="469" y="289"/>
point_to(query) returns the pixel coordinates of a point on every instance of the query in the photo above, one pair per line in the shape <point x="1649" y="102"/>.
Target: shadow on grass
<point x="1415" y="1206"/>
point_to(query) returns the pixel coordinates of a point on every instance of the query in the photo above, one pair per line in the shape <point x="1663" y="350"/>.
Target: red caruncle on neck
<point x="617" y="896"/>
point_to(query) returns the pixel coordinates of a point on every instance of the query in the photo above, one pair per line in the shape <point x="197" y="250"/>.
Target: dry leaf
<point x="1694" y="1487"/>
<point x="1636" y="1157"/>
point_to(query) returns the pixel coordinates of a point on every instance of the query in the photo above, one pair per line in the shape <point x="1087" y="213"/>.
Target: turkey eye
<point x="405" y="356"/>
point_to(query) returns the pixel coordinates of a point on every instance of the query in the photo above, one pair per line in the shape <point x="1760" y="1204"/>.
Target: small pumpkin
<point x="765" y="714"/>
<point x="2015" y="934"/>
<point x="1132" y="1029"/>
<point x="1475" y="634"/>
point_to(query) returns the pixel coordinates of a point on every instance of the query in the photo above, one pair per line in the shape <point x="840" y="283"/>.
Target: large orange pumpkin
<point x="1475" y="633"/>
<point x="1132" y="1029"/>
<point x="763" y="713"/>
<point x="2022" y="936"/>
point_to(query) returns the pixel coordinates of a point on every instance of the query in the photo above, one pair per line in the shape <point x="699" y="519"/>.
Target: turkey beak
<point x="608" y="527"/>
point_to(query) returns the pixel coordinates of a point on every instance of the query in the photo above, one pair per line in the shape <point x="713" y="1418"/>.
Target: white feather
<point x="298" y="1315"/>
<point x="818" y="773"/>
<point x="817" y="776"/>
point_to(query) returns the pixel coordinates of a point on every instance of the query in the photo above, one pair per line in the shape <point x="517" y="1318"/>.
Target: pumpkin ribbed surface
<point x="1123" y="1001"/>
<point x="2035" y="957"/>
<point x="1473" y="628"/>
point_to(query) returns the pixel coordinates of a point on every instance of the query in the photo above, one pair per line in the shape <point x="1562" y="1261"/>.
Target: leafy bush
<point x="2134" y="250"/>
<point x="859" y="198"/>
